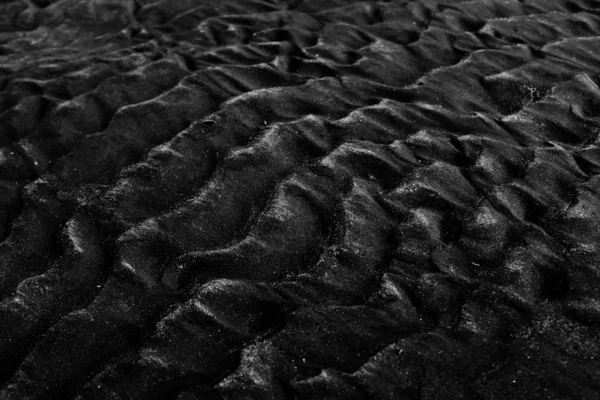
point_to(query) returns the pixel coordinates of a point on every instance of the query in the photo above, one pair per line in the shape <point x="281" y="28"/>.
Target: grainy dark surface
<point x="318" y="199"/>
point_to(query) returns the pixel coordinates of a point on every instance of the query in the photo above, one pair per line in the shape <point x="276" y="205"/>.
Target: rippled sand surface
<point x="318" y="199"/>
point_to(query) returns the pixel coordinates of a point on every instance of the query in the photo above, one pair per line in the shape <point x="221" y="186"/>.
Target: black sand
<point x="318" y="199"/>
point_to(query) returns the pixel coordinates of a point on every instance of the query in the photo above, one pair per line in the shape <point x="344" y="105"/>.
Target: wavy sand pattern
<point x="302" y="199"/>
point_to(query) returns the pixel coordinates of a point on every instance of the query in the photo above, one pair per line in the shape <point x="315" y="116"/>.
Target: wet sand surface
<point x="318" y="199"/>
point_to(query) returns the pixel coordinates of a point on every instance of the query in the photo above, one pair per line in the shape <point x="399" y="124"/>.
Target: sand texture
<point x="302" y="199"/>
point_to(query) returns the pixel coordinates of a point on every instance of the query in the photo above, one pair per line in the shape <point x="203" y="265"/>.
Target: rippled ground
<point x="318" y="199"/>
